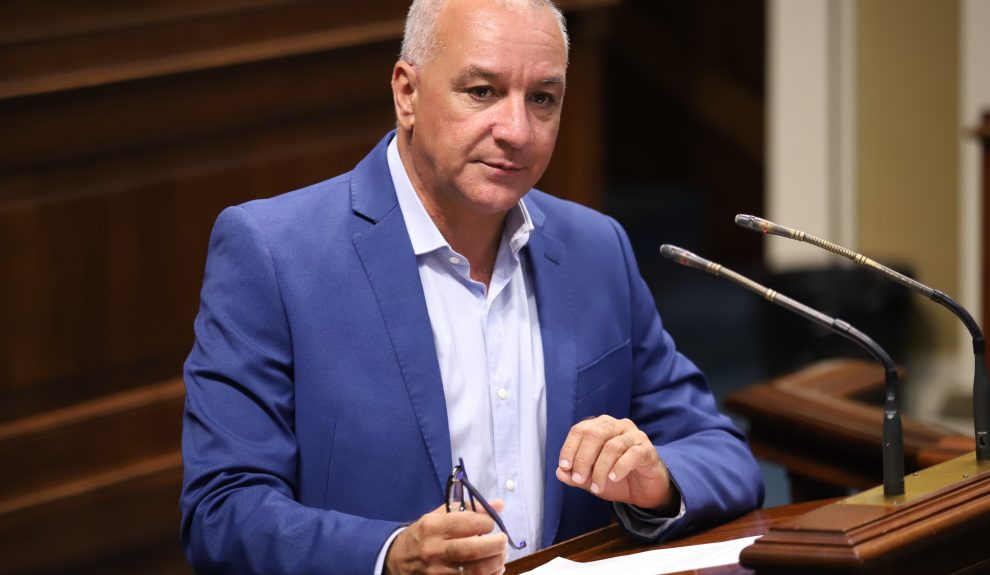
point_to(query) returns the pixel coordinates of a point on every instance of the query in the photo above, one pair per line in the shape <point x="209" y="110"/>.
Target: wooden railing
<point x="824" y="425"/>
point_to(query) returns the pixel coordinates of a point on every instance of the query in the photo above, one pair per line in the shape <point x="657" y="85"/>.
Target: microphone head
<point x="668" y="251"/>
<point x="679" y="255"/>
<point x="752" y="223"/>
<point x="684" y="257"/>
<point x="760" y="225"/>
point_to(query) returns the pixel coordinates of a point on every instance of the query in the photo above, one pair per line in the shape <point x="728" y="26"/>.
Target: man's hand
<point x="441" y="543"/>
<point x="616" y="461"/>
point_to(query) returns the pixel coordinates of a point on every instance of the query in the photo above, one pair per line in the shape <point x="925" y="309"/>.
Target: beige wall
<point x="907" y="140"/>
<point x="811" y="116"/>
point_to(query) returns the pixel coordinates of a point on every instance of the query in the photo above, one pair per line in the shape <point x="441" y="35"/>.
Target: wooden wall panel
<point x="111" y="244"/>
<point x="109" y="190"/>
<point x="59" y="441"/>
<point x="95" y="521"/>
<point x="121" y="42"/>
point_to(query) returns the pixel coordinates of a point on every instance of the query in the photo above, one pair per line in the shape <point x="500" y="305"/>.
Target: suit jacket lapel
<point x="390" y="264"/>
<point x="557" y="329"/>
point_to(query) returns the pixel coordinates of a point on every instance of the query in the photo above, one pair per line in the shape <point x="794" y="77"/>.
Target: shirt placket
<point x="503" y="391"/>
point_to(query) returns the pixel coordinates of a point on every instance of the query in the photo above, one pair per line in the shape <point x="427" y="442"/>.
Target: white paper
<point x="654" y="562"/>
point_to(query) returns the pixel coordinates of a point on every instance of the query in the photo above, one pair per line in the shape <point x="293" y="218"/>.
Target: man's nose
<point x="512" y="124"/>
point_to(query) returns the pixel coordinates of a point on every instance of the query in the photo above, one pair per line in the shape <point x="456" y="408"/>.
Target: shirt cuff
<point x="644" y="524"/>
<point x="380" y="563"/>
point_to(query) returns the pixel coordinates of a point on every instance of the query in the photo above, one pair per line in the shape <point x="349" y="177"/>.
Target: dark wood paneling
<point x="93" y="519"/>
<point x="60" y="441"/>
<point x="685" y="109"/>
<point x="111" y="249"/>
<point x="165" y="111"/>
<point x="576" y="170"/>
<point x="119" y="42"/>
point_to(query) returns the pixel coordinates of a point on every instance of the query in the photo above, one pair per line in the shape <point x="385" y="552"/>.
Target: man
<point x="358" y="337"/>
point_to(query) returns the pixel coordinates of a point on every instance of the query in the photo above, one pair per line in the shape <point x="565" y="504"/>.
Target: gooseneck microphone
<point x="893" y="445"/>
<point x="981" y="387"/>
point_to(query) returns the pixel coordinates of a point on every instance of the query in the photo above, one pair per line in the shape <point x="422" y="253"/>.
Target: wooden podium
<point x="820" y="423"/>
<point x="611" y="541"/>
<point x="938" y="527"/>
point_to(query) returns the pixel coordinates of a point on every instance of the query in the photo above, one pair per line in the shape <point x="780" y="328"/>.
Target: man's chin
<point x="501" y="201"/>
<point x="485" y="197"/>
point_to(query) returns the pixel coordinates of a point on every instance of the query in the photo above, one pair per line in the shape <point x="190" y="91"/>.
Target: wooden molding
<point x="118" y="42"/>
<point x="72" y="444"/>
<point x="939" y="532"/>
<point x="94" y="520"/>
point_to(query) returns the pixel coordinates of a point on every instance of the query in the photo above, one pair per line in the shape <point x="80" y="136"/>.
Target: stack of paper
<point x="654" y="562"/>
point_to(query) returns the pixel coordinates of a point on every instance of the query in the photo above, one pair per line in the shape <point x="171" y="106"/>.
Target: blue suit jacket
<point x="315" y="421"/>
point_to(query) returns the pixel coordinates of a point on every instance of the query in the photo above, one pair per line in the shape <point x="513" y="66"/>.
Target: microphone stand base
<point x="938" y="525"/>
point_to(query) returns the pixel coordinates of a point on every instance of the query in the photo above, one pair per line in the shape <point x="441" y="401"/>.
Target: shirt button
<point x="503" y="394"/>
<point x="510" y="485"/>
<point x="455" y="260"/>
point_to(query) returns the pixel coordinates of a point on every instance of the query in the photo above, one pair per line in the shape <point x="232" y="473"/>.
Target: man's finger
<point x="565" y="477"/>
<point x="594" y="434"/>
<point x="472" y="549"/>
<point x="642" y="457"/>
<point x="497" y="504"/>
<point x="613" y="449"/>
<point x="570" y="447"/>
<point x="459" y="524"/>
<point x="494" y="565"/>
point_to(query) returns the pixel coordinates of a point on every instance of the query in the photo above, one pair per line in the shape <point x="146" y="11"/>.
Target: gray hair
<point x="419" y="41"/>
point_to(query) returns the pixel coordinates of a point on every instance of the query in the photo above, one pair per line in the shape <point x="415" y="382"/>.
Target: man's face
<point x="486" y="109"/>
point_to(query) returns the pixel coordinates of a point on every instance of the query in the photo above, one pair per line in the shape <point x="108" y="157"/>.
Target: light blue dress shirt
<point x="490" y="353"/>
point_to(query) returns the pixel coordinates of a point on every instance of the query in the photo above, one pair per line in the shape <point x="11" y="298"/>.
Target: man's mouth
<point x="502" y="165"/>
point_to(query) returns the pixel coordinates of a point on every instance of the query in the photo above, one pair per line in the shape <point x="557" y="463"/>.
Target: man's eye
<point x="543" y="99"/>
<point x="480" y="92"/>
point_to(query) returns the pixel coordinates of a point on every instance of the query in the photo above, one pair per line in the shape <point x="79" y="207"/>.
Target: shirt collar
<point x="423" y="232"/>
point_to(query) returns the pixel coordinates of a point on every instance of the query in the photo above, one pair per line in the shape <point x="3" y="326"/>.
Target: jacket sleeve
<point x="239" y="512"/>
<point x="708" y="458"/>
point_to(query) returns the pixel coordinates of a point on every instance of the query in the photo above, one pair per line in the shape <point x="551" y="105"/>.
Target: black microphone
<point x="893" y="444"/>
<point x="981" y="387"/>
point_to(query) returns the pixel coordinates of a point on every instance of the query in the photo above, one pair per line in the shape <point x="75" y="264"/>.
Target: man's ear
<point x="405" y="81"/>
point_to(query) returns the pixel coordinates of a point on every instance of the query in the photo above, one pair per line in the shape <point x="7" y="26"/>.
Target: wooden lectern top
<point x="611" y="541"/>
<point x="937" y="527"/>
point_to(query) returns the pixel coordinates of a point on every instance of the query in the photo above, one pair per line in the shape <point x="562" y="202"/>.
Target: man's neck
<point x="476" y="238"/>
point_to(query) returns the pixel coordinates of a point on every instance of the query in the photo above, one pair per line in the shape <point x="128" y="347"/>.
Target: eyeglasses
<point x="457" y="484"/>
